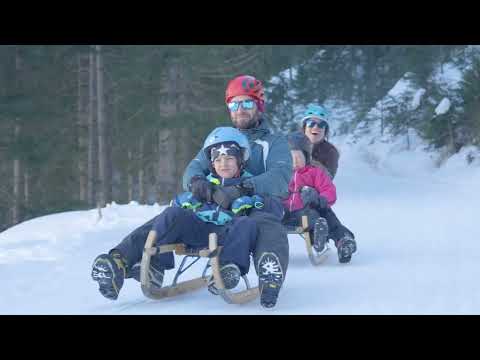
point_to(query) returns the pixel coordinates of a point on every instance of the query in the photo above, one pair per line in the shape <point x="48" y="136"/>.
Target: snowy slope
<point x="416" y="229"/>
<point x="415" y="224"/>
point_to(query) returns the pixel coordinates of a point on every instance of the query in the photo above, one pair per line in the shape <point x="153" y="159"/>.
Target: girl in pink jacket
<point x="312" y="193"/>
<point x="305" y="174"/>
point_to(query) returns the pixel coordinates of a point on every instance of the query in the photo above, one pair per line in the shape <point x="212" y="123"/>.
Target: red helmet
<point x="246" y="85"/>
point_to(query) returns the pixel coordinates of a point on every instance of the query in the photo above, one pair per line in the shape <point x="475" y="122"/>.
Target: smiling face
<point x="315" y="134"/>
<point x="244" y="118"/>
<point x="226" y="166"/>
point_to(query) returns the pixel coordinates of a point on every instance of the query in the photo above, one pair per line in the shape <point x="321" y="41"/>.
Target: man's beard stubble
<point x="247" y="124"/>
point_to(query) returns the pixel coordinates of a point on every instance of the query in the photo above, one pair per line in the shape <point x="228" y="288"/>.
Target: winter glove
<point x="310" y="197"/>
<point x="241" y="205"/>
<point x="322" y="203"/>
<point x="201" y="188"/>
<point x="225" y="195"/>
<point x="186" y="200"/>
<point x="258" y="202"/>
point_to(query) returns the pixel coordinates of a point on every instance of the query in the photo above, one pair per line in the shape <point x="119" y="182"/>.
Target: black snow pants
<point x="336" y="230"/>
<point x="271" y="237"/>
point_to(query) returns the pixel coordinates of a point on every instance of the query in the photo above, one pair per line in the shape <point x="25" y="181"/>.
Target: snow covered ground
<point x="416" y="227"/>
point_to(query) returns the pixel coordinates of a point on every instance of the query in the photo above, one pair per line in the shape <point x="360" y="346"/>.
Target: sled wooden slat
<point x="181" y="249"/>
<point x="171" y="291"/>
<point x="177" y="248"/>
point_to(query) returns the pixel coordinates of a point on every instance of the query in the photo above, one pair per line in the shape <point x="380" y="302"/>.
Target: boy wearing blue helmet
<point x="190" y="220"/>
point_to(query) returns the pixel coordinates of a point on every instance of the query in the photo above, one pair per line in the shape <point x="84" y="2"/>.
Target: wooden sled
<point x="316" y="258"/>
<point x="178" y="288"/>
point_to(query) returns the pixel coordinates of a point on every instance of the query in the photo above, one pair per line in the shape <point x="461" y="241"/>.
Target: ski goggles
<point x="225" y="149"/>
<point x="311" y="123"/>
<point x="246" y="105"/>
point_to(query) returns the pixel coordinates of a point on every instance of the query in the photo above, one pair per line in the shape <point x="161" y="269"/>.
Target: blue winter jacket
<point x="270" y="163"/>
<point x="213" y="213"/>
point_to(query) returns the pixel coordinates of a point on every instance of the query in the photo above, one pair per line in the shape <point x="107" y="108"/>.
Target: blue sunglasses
<point x="312" y="123"/>
<point x="246" y="105"/>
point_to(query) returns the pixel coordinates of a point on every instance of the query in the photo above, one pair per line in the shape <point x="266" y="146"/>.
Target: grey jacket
<point x="270" y="163"/>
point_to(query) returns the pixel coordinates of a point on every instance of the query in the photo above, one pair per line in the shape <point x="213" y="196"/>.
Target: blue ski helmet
<point x="317" y="111"/>
<point x="227" y="134"/>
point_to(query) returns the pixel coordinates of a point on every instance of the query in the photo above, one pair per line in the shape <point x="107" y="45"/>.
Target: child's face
<point x="226" y="166"/>
<point x="298" y="159"/>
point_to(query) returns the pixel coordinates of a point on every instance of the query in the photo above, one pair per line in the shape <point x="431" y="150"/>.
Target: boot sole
<point x="345" y="256"/>
<point x="105" y="282"/>
<point x="269" y="284"/>
<point x="320" y="230"/>
<point x="269" y="296"/>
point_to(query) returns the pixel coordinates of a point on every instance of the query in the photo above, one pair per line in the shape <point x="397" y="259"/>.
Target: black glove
<point x="310" y="197"/>
<point x="322" y="203"/>
<point x="225" y="195"/>
<point x="201" y="188"/>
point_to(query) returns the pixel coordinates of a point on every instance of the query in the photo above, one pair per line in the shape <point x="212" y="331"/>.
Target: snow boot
<point x="270" y="279"/>
<point x="155" y="273"/>
<point x="320" y="234"/>
<point x="230" y="274"/>
<point x="109" y="271"/>
<point x="346" y="246"/>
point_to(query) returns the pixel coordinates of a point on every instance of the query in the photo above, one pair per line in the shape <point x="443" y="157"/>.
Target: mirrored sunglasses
<point x="246" y="105"/>
<point x="312" y="123"/>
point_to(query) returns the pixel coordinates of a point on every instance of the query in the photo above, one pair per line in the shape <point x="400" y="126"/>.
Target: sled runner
<point x="316" y="258"/>
<point x="177" y="288"/>
<point x="229" y="296"/>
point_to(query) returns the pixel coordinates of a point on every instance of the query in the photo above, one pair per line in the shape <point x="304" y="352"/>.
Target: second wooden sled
<point x="316" y="258"/>
<point x="178" y="288"/>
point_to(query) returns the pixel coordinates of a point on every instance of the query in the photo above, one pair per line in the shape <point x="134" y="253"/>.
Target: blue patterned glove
<point x="186" y="200"/>
<point x="258" y="202"/>
<point x="241" y="205"/>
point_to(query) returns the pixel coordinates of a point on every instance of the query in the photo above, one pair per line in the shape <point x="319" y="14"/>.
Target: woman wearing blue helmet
<point x="316" y="129"/>
<point x="316" y="206"/>
<point x="190" y="220"/>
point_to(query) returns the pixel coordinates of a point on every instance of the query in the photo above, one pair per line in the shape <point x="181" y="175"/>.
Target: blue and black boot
<point x="270" y="279"/>
<point x="320" y="234"/>
<point x="109" y="271"/>
<point x="230" y="274"/>
<point x="346" y="246"/>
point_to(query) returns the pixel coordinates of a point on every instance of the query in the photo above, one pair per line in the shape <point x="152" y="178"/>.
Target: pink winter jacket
<point x="309" y="176"/>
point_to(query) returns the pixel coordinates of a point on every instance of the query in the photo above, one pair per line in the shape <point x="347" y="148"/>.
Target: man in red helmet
<point x="271" y="166"/>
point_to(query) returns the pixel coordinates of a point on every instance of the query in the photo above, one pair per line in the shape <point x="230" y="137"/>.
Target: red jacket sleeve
<point x="325" y="186"/>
